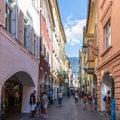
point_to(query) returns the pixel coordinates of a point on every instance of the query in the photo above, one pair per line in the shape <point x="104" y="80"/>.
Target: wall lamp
<point x="85" y="49"/>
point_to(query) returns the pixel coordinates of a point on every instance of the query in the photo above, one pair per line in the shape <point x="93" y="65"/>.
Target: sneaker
<point x="45" y="117"/>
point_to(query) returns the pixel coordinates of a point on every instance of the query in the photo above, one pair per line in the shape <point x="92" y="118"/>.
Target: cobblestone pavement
<point x="67" y="111"/>
<point x="70" y="111"/>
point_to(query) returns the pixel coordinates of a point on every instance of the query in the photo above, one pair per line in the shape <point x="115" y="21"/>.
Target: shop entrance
<point x="12" y="97"/>
<point x="107" y="85"/>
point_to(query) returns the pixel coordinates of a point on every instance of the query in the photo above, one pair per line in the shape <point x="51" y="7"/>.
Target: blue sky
<point x="73" y="16"/>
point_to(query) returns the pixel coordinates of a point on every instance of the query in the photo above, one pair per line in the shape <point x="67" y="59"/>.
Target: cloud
<point x="74" y="30"/>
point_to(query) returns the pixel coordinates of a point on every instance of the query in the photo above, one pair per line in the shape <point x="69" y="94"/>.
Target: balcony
<point x="89" y="69"/>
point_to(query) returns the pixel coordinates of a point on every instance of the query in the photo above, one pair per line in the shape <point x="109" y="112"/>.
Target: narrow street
<point x="71" y="111"/>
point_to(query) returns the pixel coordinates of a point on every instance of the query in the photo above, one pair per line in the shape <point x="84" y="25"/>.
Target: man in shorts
<point x="45" y="104"/>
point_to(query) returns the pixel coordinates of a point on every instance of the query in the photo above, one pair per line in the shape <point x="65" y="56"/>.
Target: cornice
<point x="109" y="60"/>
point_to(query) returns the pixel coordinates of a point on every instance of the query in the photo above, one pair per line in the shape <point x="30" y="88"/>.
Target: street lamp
<point x="85" y="49"/>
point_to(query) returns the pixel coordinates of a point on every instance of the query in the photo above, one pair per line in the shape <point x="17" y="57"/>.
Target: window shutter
<point x="2" y="12"/>
<point x="38" y="46"/>
<point x="35" y="43"/>
<point x="17" y="22"/>
<point x="29" y="38"/>
<point x="21" y="28"/>
<point x="32" y="38"/>
<point x="13" y="21"/>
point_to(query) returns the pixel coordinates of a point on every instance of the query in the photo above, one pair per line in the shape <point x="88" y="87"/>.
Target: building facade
<point x="102" y="51"/>
<point x="45" y="46"/>
<point x="19" y="50"/>
<point x="90" y="50"/>
<point x="32" y="47"/>
<point x="109" y="52"/>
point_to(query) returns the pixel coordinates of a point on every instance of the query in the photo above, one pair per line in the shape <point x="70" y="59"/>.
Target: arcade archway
<point x="107" y="84"/>
<point x="12" y="94"/>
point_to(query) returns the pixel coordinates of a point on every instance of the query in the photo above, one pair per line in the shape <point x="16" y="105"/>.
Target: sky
<point x="73" y="15"/>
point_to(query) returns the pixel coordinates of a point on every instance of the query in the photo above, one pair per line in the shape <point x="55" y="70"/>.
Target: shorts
<point x="45" y="106"/>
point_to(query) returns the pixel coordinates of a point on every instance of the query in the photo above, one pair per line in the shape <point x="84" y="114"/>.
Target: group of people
<point x="43" y="101"/>
<point x="41" y="104"/>
<point x="88" y="98"/>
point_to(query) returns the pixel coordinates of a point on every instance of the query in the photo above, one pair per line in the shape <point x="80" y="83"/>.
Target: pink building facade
<point x="109" y="53"/>
<point x="19" y="59"/>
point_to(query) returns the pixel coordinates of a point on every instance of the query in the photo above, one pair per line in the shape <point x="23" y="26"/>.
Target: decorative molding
<point x="106" y="11"/>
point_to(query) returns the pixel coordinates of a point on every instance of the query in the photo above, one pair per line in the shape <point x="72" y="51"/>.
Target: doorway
<point x="107" y="85"/>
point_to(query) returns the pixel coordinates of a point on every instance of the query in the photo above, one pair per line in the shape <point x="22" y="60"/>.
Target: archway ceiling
<point x="24" y="78"/>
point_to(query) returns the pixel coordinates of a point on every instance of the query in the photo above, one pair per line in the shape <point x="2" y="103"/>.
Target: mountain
<point x="74" y="64"/>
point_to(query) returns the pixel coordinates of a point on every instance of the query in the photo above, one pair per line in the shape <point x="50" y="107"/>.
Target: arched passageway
<point x="107" y="85"/>
<point x="13" y="96"/>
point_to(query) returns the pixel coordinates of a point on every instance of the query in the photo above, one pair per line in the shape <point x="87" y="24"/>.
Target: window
<point x="35" y="3"/>
<point x="8" y="18"/>
<point x="107" y="35"/>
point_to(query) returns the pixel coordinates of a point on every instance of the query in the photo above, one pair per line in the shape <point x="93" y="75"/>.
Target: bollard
<point x="112" y="109"/>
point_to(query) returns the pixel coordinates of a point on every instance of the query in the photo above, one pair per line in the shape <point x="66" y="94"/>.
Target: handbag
<point x="33" y="107"/>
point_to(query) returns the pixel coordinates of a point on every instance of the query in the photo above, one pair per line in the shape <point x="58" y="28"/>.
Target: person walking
<point x="50" y="96"/>
<point x="108" y="99"/>
<point x="90" y="101"/>
<point x="32" y="103"/>
<point x="60" y="97"/>
<point x="84" y="101"/>
<point x="45" y="104"/>
<point x="76" y="97"/>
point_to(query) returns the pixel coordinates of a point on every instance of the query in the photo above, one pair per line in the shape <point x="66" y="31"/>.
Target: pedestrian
<point x="45" y="104"/>
<point x="68" y="93"/>
<point x="50" y="96"/>
<point x="76" y="97"/>
<point x="84" y="101"/>
<point x="108" y="99"/>
<point x="60" y="96"/>
<point x="40" y="107"/>
<point x="32" y="103"/>
<point x="90" y="101"/>
<point x="95" y="102"/>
